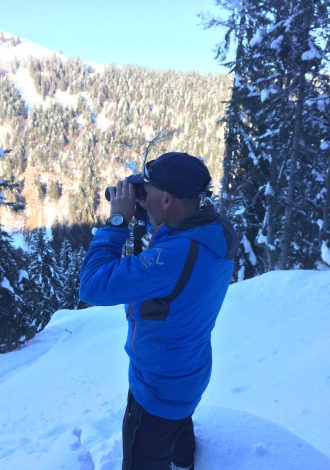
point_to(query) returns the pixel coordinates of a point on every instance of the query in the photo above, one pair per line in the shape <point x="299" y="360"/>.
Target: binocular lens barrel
<point x="139" y="191"/>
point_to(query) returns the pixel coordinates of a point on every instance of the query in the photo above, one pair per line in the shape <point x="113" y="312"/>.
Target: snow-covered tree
<point x="44" y="272"/>
<point x="277" y="130"/>
<point x="17" y="324"/>
<point x="71" y="279"/>
<point x="8" y="185"/>
<point x="65" y="256"/>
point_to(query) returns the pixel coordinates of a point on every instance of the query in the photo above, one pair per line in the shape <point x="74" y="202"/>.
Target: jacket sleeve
<point x="108" y="279"/>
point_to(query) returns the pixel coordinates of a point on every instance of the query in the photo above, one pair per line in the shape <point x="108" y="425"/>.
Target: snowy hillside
<point x="15" y="48"/>
<point x="267" y="407"/>
<point x="59" y="114"/>
<point x="14" y="55"/>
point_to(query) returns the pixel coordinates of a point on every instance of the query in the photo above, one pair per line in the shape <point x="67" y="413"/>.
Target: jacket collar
<point x="203" y="216"/>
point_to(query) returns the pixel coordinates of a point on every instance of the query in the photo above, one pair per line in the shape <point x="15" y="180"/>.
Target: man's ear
<point x="167" y="200"/>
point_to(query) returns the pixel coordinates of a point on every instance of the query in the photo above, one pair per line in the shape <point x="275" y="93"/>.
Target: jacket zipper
<point x="130" y="308"/>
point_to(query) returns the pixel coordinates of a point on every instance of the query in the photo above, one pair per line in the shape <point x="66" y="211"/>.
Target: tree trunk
<point x="287" y="224"/>
<point x="325" y="229"/>
<point x="297" y="132"/>
<point x="270" y="218"/>
<point x="231" y="119"/>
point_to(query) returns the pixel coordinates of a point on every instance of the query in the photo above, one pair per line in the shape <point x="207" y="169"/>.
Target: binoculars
<point x="139" y="188"/>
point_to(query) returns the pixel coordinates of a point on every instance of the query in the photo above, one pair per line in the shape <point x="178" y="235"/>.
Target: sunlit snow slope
<point x="267" y="407"/>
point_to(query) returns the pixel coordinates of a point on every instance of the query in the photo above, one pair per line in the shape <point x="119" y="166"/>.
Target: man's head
<point x="174" y="184"/>
<point x="180" y="174"/>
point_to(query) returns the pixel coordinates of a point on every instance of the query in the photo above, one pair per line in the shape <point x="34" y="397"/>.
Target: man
<point x="173" y="292"/>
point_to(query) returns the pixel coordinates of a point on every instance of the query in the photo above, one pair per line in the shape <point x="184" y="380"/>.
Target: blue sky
<point x="160" y="34"/>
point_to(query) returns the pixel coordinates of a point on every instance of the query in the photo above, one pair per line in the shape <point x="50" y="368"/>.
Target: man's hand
<point x="123" y="200"/>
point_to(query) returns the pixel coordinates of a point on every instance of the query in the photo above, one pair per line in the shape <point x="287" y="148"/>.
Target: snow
<point x="318" y="176"/>
<point x="323" y="102"/>
<point x="276" y="44"/>
<point x="14" y="60"/>
<point x="261" y="239"/>
<point x="252" y="155"/>
<point x="325" y="253"/>
<point x="238" y="80"/>
<point x="287" y="23"/>
<point x="22" y="275"/>
<point x="269" y="191"/>
<point x="257" y="37"/>
<point x="325" y="145"/>
<point x="267" y="406"/>
<point x="240" y="211"/>
<point x="26" y="87"/>
<point x="67" y="99"/>
<point x="10" y="53"/>
<point x="18" y="240"/>
<point x="6" y="284"/>
<point x="249" y="250"/>
<point x="269" y="132"/>
<point x="265" y="93"/>
<point x="103" y="122"/>
<point x="233" y="4"/>
<point x="241" y="273"/>
<point x="311" y="53"/>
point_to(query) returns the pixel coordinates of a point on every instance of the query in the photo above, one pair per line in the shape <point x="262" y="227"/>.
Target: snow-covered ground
<point x="62" y="396"/>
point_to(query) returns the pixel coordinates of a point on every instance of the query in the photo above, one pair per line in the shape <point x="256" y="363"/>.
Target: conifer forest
<point x="263" y="129"/>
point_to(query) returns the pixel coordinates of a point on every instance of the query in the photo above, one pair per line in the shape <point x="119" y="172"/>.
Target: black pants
<point x="152" y="443"/>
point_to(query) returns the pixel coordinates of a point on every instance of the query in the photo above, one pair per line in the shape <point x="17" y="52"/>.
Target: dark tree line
<point x="276" y="165"/>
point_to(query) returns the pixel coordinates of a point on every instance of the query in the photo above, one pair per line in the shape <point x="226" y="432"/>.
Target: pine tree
<point x="276" y="121"/>
<point x="17" y="321"/>
<point x="65" y="261"/>
<point x="45" y="274"/>
<point x="8" y="186"/>
<point x="12" y="322"/>
<point x="72" y="279"/>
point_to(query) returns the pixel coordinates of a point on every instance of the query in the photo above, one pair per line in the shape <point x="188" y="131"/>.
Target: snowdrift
<point x="267" y="407"/>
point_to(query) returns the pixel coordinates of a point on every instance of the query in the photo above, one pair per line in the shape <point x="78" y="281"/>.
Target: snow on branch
<point x="258" y="37"/>
<point x="311" y="53"/>
<point x="249" y="251"/>
<point x="325" y="253"/>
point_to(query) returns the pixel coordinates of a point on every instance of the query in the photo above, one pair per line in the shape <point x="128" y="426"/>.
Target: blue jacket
<point x="173" y="292"/>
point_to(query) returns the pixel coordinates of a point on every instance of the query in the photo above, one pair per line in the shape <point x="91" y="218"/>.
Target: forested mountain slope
<point x="74" y="127"/>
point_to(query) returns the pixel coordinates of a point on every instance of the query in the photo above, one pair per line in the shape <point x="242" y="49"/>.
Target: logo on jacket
<point x="151" y="257"/>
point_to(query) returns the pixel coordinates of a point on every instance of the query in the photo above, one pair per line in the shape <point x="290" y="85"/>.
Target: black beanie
<point x="181" y="174"/>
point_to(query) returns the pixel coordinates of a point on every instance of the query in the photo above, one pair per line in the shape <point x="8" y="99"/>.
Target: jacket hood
<point x="210" y="228"/>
